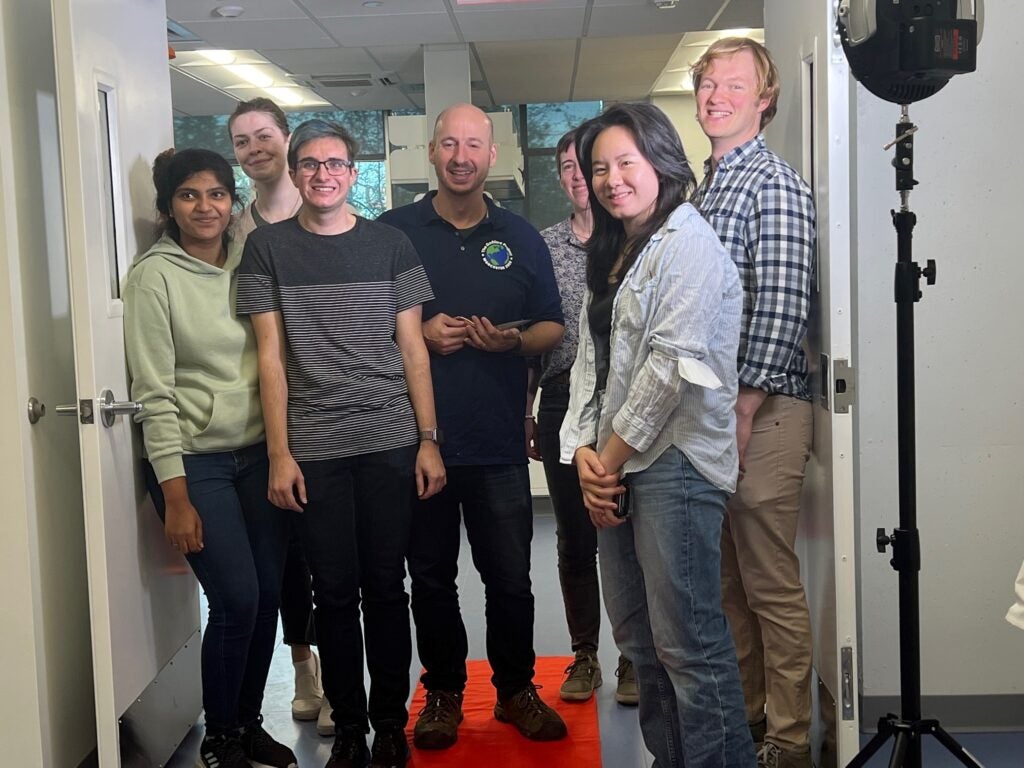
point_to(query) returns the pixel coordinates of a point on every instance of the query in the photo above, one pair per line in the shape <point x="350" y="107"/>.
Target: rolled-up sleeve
<point x="687" y="304"/>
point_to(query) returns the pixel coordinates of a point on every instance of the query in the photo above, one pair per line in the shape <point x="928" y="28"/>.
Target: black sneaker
<point x="349" y="750"/>
<point x="438" y="724"/>
<point x="260" y="747"/>
<point x="527" y="712"/>
<point x="390" y="749"/>
<point x="222" y="751"/>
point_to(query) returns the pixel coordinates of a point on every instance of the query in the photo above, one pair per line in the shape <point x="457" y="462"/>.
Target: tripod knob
<point x="882" y="540"/>
<point x="929" y="271"/>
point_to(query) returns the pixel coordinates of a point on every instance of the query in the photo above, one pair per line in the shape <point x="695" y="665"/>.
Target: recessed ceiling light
<point x="229" y="11"/>
<point x="372" y="3"/>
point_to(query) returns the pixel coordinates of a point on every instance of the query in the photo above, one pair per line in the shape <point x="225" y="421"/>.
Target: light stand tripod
<point x="908" y="728"/>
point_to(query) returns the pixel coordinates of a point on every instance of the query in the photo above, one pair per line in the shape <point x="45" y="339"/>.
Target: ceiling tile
<point x="395" y="58"/>
<point x="262" y="35"/>
<point x="646" y="19"/>
<point x="741" y="14"/>
<point x="404" y="29"/>
<point x="191" y="97"/>
<point x="515" y="69"/>
<point x="522" y="24"/>
<point x="324" y="8"/>
<point x="324" y="61"/>
<point x="184" y="11"/>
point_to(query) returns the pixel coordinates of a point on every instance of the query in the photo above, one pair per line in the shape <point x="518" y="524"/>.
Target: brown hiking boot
<point x="527" y="712"/>
<point x="438" y="724"/>
<point x="582" y="677"/>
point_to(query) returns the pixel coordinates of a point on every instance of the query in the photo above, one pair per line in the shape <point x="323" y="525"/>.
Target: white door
<point x="812" y="132"/>
<point x="114" y="108"/>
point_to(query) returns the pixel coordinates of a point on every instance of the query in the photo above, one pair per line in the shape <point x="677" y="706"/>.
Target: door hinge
<point x="844" y="385"/>
<point x="847" y="685"/>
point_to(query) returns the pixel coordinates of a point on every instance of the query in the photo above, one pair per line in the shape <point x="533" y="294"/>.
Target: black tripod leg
<point x="885" y="730"/>
<point x="869" y="750"/>
<point x="954" y="747"/>
<point x="899" y="749"/>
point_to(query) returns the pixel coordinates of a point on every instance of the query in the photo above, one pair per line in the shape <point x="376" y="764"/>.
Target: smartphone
<point x="622" y="502"/>
<point x="512" y="324"/>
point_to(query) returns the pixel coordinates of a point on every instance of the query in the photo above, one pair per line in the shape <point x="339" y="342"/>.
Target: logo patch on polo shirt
<point x="497" y="255"/>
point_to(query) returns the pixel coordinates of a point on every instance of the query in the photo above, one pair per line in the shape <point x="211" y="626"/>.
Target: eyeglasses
<point x="334" y="165"/>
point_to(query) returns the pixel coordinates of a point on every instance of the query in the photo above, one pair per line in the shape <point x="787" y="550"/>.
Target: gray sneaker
<point x="626" y="692"/>
<point x="582" y="677"/>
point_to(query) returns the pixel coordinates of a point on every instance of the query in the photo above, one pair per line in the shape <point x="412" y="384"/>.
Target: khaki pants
<point x="762" y="595"/>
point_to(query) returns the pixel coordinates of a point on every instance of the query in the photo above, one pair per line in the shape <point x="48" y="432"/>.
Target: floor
<point x="621" y="744"/>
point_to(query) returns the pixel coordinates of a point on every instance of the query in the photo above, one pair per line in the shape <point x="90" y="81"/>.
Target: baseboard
<point x="995" y="712"/>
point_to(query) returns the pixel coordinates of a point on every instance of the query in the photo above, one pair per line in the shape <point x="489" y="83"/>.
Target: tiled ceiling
<point x="520" y="50"/>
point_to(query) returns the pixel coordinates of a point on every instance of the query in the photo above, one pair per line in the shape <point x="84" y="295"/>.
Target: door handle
<point x="109" y="409"/>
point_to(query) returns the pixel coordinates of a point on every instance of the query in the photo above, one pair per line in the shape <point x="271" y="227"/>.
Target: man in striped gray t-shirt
<point x="336" y="301"/>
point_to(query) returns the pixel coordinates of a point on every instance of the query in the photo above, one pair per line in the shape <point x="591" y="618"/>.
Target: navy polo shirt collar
<point x="428" y="214"/>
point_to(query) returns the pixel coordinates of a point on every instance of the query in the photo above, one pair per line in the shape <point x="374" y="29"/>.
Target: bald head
<point x="463" y="113"/>
<point x="462" y="150"/>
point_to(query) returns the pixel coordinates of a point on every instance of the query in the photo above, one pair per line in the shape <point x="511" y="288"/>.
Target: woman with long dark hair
<point x="651" y="430"/>
<point x="193" y="367"/>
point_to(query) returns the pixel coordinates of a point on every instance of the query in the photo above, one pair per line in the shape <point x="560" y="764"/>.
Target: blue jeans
<point x="355" y="531"/>
<point x="245" y="539"/>
<point x="662" y="589"/>
<point x="498" y="510"/>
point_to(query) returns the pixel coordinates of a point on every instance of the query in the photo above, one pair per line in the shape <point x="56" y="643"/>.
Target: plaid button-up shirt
<point x="764" y="214"/>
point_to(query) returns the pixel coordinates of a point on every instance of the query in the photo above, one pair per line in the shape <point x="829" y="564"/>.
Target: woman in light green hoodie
<point x="193" y="366"/>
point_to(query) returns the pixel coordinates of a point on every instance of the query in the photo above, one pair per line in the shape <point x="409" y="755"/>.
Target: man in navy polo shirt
<point x="488" y="268"/>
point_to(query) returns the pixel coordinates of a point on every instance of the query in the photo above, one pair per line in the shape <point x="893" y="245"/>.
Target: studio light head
<point x="905" y="50"/>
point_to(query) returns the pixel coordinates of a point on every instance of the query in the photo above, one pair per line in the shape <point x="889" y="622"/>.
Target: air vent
<point x="347" y="81"/>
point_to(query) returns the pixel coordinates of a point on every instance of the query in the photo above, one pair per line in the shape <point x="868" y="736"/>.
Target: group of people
<point x="327" y="399"/>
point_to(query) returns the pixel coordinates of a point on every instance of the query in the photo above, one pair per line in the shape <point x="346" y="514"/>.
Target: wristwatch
<point x="434" y="434"/>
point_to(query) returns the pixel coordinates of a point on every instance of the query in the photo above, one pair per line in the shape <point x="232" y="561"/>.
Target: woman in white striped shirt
<point x="651" y="429"/>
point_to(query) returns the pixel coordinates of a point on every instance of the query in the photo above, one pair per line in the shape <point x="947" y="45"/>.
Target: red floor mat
<point x="486" y="743"/>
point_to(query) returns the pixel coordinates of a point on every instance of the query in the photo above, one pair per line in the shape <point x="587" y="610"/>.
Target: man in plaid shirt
<point x="764" y="214"/>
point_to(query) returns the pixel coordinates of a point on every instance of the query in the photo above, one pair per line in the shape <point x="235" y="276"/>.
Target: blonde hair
<point x="767" y="74"/>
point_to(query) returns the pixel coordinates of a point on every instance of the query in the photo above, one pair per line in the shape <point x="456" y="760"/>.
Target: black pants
<point x="577" y="536"/>
<point x="297" y="593"/>
<point x="498" y="511"/>
<point x="355" y="531"/>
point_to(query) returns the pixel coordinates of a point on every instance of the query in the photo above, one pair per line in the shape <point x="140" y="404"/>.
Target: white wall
<point x="970" y="413"/>
<point x="682" y="111"/>
<point x="47" y="704"/>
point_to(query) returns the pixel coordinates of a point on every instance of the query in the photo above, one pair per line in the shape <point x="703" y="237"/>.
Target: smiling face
<point x="625" y="183"/>
<point x="570" y="176"/>
<point x="201" y="207"/>
<point x="462" y="150"/>
<point x="321" y="191"/>
<point x="729" y="103"/>
<point x="261" y="149"/>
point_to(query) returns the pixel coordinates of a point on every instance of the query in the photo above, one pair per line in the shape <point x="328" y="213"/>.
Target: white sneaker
<point x="309" y="693"/>
<point x="324" y="723"/>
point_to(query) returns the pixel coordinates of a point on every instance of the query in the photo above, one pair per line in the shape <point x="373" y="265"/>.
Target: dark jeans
<point x="355" y="532"/>
<point x="577" y="536"/>
<point x="297" y="593"/>
<point x="498" y="511"/>
<point x="245" y="539"/>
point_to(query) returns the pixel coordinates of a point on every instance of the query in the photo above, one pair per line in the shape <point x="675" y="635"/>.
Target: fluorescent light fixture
<point x="218" y="56"/>
<point x="239" y="73"/>
<point x="289" y="97"/>
<point x="251" y="75"/>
